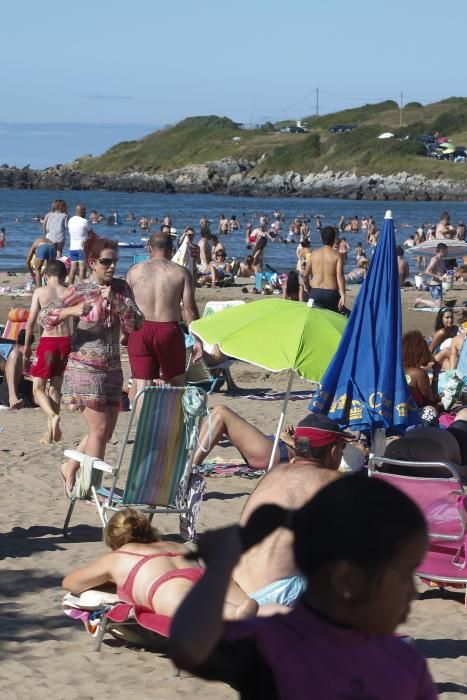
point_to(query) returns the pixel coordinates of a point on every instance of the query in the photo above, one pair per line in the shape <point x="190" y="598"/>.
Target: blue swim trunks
<point x="282" y="447"/>
<point x="284" y="591"/>
<point x="46" y="251"/>
<point x="76" y="255"/>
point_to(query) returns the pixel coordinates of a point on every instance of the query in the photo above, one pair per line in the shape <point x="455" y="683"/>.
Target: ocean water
<point x="19" y="207"/>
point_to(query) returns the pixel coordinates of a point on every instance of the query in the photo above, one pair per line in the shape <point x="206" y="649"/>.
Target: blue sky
<point x="153" y="62"/>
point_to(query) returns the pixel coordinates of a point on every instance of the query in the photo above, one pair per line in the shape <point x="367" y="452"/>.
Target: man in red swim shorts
<point x="52" y="352"/>
<point x="157" y="349"/>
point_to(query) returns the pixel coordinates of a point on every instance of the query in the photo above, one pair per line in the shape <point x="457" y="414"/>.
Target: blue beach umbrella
<point x="364" y="387"/>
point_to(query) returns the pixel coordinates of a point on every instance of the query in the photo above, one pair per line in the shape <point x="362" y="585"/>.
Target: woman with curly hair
<point x="150" y="574"/>
<point x="101" y="307"/>
<point x="417" y="359"/>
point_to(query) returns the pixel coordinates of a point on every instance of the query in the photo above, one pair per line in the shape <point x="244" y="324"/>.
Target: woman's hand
<point x="107" y="293"/>
<point x="81" y="309"/>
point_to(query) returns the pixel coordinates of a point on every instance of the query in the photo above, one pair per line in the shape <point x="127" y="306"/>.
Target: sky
<point x="152" y="63"/>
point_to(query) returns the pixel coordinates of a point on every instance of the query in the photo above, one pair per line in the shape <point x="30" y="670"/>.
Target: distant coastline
<point x="235" y="177"/>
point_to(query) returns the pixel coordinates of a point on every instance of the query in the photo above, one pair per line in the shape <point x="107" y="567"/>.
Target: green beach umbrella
<point x="278" y="335"/>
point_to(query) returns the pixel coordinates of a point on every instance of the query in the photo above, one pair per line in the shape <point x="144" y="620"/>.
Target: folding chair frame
<point x="109" y="503"/>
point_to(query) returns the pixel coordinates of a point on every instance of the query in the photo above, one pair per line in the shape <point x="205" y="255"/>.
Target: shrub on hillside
<point x="210" y="122"/>
<point x="452" y="121"/>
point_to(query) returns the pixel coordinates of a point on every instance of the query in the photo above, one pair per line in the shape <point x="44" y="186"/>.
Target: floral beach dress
<point x="93" y="377"/>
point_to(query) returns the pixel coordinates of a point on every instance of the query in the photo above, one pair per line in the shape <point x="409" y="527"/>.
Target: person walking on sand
<point x="52" y="352"/>
<point x="326" y="270"/>
<point x="79" y="228"/>
<point x="159" y="287"/>
<point x="55" y="223"/>
<point x="93" y="379"/>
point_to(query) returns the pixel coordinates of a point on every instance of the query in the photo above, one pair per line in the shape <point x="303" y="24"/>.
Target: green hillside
<point x="197" y="140"/>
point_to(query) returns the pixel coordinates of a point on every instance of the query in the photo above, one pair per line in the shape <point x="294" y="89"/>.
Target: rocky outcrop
<point x="238" y="177"/>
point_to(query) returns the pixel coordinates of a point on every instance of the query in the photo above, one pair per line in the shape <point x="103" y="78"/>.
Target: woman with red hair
<point x="101" y="306"/>
<point x="417" y="359"/>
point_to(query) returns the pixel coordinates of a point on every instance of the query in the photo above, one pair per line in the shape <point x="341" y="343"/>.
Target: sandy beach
<point x="46" y="655"/>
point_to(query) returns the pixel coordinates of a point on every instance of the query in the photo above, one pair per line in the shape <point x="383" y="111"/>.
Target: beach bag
<point x="452" y="389"/>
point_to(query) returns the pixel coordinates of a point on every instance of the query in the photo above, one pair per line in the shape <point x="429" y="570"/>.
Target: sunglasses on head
<point x="107" y="262"/>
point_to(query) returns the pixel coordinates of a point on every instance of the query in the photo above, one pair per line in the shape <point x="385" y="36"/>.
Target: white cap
<point x="388" y="214"/>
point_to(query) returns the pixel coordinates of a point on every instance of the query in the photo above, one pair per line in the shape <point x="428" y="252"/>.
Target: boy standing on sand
<point x="52" y="351"/>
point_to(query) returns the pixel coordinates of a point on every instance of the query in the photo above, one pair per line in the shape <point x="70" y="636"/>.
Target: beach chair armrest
<point x="93" y="461"/>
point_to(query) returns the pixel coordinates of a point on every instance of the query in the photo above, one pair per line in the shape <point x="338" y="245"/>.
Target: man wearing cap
<point x="267" y="572"/>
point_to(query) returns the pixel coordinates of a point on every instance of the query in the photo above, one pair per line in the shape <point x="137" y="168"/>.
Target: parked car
<point x="342" y="128"/>
<point x="293" y="130"/>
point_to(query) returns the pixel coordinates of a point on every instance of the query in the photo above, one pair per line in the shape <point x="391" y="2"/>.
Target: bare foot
<point x="68" y="474"/>
<point x="248" y="609"/>
<point x="46" y="439"/>
<point x="55" y="428"/>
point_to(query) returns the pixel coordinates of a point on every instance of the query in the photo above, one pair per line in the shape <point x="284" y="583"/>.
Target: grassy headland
<point x="197" y="140"/>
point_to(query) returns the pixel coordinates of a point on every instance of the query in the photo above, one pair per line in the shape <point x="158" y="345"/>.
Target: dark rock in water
<point x="238" y="177"/>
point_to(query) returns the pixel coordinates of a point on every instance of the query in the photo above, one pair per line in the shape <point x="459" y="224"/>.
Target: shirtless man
<point x="444" y="229"/>
<point x="52" y="351"/>
<point x="223" y="225"/>
<point x="268" y="572"/>
<point x="437" y="266"/>
<point x="159" y="286"/>
<point x="355" y="224"/>
<point x="403" y="266"/>
<point x="205" y="249"/>
<point x="460" y="231"/>
<point x="326" y="268"/>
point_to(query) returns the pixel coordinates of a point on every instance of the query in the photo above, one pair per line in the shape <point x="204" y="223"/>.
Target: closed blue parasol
<point x="364" y="387"/>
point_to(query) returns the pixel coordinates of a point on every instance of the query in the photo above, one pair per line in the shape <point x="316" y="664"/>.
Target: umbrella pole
<point x="281" y="418"/>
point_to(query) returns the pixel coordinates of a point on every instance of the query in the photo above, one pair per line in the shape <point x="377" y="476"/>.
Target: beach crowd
<point x="300" y="598"/>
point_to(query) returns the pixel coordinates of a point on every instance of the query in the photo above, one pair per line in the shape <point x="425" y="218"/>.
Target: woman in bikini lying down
<point x="152" y="575"/>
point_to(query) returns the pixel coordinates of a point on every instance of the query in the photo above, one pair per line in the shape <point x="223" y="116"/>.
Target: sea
<point x="21" y="209"/>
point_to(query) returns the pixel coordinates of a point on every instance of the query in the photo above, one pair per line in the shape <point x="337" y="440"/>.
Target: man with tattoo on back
<point x="159" y="286"/>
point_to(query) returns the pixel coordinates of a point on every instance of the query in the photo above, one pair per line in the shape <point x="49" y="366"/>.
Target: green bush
<point x="297" y="156"/>
<point x="210" y="122"/>
<point x="413" y="105"/>
<point x="352" y="116"/>
<point x="454" y="120"/>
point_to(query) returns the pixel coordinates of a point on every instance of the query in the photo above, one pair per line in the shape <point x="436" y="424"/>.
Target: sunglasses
<point x="220" y="255"/>
<point x="107" y="262"/>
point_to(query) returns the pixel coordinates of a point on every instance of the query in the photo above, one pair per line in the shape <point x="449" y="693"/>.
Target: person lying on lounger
<point x="254" y="446"/>
<point x="151" y="574"/>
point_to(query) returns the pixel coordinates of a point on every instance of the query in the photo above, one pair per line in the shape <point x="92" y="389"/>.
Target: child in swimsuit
<point x="338" y="642"/>
<point x="151" y="575"/>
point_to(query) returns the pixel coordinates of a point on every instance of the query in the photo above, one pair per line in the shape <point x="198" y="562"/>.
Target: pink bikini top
<point x="125" y="592"/>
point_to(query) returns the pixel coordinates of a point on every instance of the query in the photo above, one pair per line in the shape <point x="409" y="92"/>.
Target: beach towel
<point x="88" y="607"/>
<point x="279" y="396"/>
<point x="215" y="469"/>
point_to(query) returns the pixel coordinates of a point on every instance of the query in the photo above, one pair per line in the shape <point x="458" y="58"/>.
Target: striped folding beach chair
<point x="160" y="477"/>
